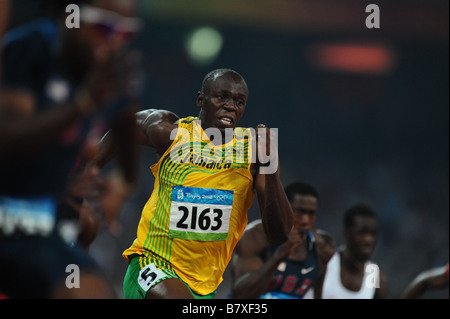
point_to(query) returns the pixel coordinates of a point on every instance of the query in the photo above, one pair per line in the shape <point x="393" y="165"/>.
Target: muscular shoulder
<point x="152" y="117"/>
<point x="156" y="126"/>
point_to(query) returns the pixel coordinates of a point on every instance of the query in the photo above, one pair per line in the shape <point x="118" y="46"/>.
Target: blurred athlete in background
<point x="351" y="274"/>
<point x="292" y="269"/>
<point x="58" y="84"/>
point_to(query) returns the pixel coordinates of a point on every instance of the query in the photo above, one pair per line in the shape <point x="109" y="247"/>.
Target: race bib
<point x="201" y="214"/>
<point x="149" y="276"/>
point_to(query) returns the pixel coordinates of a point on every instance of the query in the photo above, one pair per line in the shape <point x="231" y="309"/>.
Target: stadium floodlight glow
<point x="203" y="45"/>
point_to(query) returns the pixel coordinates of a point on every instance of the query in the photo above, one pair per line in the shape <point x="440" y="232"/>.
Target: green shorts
<point x="145" y="272"/>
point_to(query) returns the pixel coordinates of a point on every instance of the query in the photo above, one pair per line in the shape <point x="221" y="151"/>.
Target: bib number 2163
<point x="193" y="220"/>
<point x="200" y="213"/>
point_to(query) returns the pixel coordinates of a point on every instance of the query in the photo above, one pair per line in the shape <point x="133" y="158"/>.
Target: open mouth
<point x="226" y="121"/>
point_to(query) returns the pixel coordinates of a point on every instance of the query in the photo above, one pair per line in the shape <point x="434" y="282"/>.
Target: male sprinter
<point x="205" y="182"/>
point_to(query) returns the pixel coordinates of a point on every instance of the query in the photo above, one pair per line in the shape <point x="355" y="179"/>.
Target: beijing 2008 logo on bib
<point x="201" y="214"/>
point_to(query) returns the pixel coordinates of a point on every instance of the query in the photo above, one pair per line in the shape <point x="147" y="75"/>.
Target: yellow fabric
<point x="182" y="229"/>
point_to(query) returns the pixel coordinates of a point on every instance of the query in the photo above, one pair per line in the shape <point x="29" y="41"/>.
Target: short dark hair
<point x="211" y="75"/>
<point x="356" y="210"/>
<point x="300" y="188"/>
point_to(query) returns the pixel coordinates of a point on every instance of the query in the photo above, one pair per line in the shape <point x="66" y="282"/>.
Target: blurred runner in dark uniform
<point x="57" y="84"/>
<point x="291" y="270"/>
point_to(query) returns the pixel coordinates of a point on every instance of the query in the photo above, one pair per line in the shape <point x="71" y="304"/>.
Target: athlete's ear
<point x="200" y="99"/>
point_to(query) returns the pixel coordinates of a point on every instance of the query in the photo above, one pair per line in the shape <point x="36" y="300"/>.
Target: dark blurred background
<point x="362" y="114"/>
